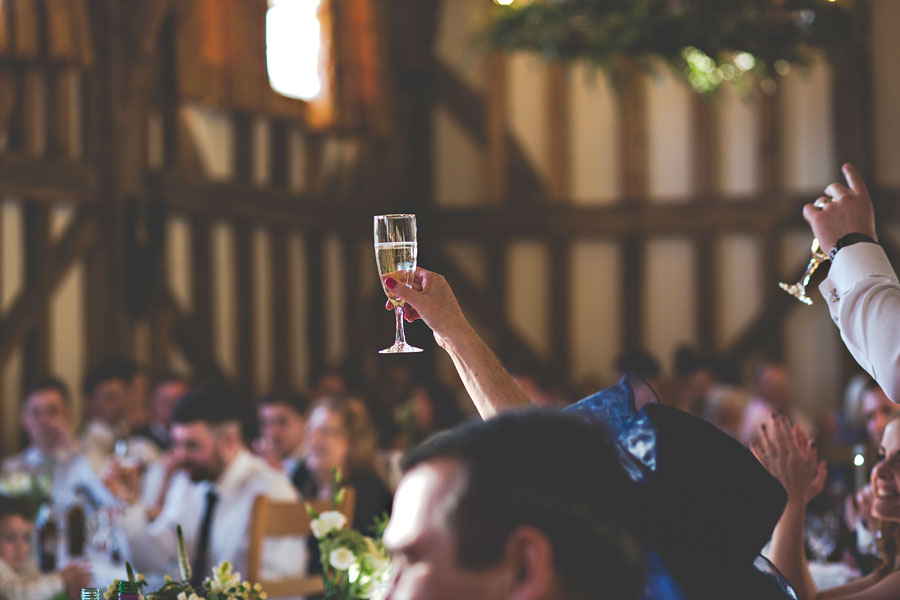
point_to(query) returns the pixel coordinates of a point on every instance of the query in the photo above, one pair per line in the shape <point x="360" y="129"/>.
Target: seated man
<point x="213" y="499"/>
<point x="530" y="505"/>
<point x="52" y="450"/>
<point x="282" y="417"/>
<point x="109" y="391"/>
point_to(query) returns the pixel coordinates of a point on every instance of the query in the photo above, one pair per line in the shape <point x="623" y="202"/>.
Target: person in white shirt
<point x="52" y="450"/>
<point x="213" y="498"/>
<point x="282" y="418"/>
<point x="109" y="391"/>
<point x="20" y="578"/>
<point x="861" y="290"/>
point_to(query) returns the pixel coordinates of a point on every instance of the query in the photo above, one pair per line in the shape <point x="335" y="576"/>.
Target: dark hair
<point x="552" y="472"/>
<point x="638" y="362"/>
<point x="169" y="377"/>
<point x="115" y="369"/>
<point x="688" y="360"/>
<point x="49" y="382"/>
<point x="212" y="405"/>
<point x="293" y="399"/>
<point x="10" y="505"/>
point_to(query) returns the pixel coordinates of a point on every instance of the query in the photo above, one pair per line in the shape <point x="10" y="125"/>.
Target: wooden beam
<point x="283" y="361"/>
<point x="30" y="305"/>
<point x="37" y="247"/>
<point x="315" y="303"/>
<point x="201" y="280"/>
<point x="496" y="137"/>
<point x="279" y="152"/>
<point x="633" y="176"/>
<point x="560" y="284"/>
<point x="705" y="174"/>
<point x="557" y="123"/>
<point x="50" y="180"/>
<point x="245" y="313"/>
<point x="353" y="306"/>
<point x="60" y="104"/>
<point x="244" y="148"/>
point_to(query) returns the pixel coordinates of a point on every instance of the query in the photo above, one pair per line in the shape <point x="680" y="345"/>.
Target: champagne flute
<point x="395" y="253"/>
<point x="798" y="290"/>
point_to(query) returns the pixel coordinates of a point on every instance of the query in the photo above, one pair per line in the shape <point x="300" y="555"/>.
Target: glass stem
<point x="400" y="334"/>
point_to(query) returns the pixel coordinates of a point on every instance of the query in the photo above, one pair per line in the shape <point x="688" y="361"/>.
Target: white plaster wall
<point x="527" y="294"/>
<point x="595" y="157"/>
<point x="668" y="137"/>
<point x="669" y="285"/>
<point x="595" y="325"/>
<point x="740" y="286"/>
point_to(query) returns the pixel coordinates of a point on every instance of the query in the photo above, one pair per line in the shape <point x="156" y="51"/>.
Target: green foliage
<point x="707" y="42"/>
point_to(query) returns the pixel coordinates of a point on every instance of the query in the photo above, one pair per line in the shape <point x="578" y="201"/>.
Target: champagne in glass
<point x="395" y="253"/>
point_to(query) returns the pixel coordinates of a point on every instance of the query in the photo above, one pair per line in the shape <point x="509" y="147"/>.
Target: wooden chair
<point x="278" y="519"/>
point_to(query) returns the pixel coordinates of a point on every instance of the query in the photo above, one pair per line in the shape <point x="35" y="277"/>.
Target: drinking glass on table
<point x="395" y="253"/>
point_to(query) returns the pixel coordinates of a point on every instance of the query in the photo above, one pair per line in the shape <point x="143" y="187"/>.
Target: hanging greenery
<point x="708" y="42"/>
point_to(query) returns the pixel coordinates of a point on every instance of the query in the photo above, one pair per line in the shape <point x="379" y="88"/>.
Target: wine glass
<point x="798" y="290"/>
<point x="395" y="253"/>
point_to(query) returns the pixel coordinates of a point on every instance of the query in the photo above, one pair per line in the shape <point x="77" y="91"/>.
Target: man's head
<point x="282" y="417"/>
<point x="167" y="391"/>
<point x="46" y="413"/>
<point x="877" y="409"/>
<point x="108" y="392"/>
<point x="15" y="532"/>
<point x="527" y="505"/>
<point x="773" y="384"/>
<point x="206" y="432"/>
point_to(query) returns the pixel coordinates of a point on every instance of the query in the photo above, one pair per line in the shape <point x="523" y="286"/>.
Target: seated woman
<point x="20" y="578"/>
<point x="789" y="456"/>
<point x="340" y="434"/>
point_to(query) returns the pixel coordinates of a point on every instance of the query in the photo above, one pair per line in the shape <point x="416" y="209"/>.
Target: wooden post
<point x="632" y="141"/>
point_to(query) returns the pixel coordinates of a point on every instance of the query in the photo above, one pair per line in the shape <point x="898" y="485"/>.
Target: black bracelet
<point x="849" y="240"/>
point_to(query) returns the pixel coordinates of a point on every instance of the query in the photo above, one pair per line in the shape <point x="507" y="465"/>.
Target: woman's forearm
<point x="787" y="550"/>
<point x="489" y="384"/>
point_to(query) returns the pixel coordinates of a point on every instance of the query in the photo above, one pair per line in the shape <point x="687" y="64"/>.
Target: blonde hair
<point x="362" y="441"/>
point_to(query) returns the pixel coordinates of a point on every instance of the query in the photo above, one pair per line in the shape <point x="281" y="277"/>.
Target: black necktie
<point x="200" y="567"/>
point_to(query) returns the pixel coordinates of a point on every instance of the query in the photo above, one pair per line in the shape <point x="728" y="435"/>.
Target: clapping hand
<point x="786" y="452"/>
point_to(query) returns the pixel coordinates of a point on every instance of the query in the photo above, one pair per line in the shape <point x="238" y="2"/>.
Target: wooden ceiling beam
<point x="47" y="179"/>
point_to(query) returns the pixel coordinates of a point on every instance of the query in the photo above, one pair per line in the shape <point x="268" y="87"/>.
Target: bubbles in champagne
<point x="397" y="260"/>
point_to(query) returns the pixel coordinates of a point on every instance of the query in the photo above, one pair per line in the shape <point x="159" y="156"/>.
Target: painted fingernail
<point x="390" y="283"/>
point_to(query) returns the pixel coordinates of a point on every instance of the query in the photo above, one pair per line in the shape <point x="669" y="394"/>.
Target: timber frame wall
<point x="123" y="80"/>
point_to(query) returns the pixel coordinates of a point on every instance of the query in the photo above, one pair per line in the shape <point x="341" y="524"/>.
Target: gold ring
<point x="820" y="203"/>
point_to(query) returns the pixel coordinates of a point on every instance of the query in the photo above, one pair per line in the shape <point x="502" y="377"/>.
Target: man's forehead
<point x="425" y="496"/>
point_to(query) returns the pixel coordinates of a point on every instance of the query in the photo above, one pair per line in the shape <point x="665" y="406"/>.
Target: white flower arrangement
<point x="224" y="584"/>
<point x="354" y="566"/>
<point x="29" y="487"/>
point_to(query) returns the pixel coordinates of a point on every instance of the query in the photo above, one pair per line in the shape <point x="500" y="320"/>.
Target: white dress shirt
<point x="152" y="547"/>
<point x="28" y="583"/>
<point x="863" y="295"/>
<point x="71" y="473"/>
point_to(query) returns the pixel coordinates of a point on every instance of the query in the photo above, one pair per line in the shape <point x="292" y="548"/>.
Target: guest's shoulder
<point x="265" y="478"/>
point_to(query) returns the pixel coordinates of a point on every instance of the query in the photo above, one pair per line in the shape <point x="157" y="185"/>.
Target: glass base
<point x="798" y="291"/>
<point x="400" y="348"/>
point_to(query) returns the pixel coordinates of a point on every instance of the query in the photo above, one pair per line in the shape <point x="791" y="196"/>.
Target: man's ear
<point x="529" y="556"/>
